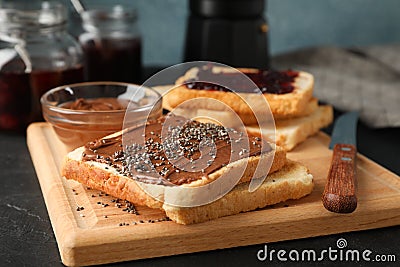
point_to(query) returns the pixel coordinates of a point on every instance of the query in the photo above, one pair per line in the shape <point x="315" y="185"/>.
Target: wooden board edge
<point x="234" y="236"/>
<point x="64" y="227"/>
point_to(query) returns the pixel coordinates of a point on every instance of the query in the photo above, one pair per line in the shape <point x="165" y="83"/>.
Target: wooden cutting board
<point x="103" y="233"/>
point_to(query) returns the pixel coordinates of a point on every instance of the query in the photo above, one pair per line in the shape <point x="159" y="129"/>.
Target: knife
<point x="340" y="190"/>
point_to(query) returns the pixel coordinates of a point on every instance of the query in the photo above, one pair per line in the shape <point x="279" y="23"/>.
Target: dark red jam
<point x="113" y="59"/>
<point x="268" y="81"/>
<point x="20" y="92"/>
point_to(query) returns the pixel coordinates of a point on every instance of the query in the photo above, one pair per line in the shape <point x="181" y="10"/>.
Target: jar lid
<point x="117" y="12"/>
<point x="117" y="18"/>
<point x="14" y="15"/>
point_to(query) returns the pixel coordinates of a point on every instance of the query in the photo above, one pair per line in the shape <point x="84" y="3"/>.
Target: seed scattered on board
<point x="128" y="207"/>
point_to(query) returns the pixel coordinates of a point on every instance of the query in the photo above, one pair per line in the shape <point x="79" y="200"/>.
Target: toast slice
<point x="310" y="108"/>
<point x="293" y="181"/>
<point x="99" y="165"/>
<point x="282" y="105"/>
<point x="291" y="132"/>
<point x="227" y="118"/>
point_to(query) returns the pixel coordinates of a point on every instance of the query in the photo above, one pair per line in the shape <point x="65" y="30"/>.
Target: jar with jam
<point x="36" y="54"/>
<point x="112" y="45"/>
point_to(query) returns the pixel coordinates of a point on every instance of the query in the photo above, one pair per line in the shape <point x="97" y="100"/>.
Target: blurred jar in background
<point x="36" y="54"/>
<point x="112" y="45"/>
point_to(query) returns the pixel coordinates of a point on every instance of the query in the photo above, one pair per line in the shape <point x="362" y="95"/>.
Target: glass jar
<point x="36" y="54"/>
<point x="112" y="45"/>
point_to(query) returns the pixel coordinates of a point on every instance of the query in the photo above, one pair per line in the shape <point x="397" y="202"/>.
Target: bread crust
<point x="291" y="132"/>
<point x="278" y="157"/>
<point x="293" y="181"/>
<point x="103" y="177"/>
<point x="311" y="107"/>
<point x="288" y="105"/>
<point x="109" y="181"/>
<point x="227" y="116"/>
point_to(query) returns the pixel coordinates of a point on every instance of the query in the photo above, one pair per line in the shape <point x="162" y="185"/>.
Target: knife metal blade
<point x="340" y="190"/>
<point x="345" y="130"/>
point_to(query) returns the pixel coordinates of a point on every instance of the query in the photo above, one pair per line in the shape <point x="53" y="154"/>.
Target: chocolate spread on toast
<point x="190" y="151"/>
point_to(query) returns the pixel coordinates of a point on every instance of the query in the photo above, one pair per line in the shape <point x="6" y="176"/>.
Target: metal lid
<point x="116" y="18"/>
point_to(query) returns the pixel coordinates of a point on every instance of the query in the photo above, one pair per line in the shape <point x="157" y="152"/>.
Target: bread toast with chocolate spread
<point x="104" y="165"/>
<point x="288" y="93"/>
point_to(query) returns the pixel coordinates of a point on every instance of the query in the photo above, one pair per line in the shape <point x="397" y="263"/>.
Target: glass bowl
<point x="83" y="112"/>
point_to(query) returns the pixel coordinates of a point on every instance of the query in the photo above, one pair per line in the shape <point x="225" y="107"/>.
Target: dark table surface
<point x="27" y="239"/>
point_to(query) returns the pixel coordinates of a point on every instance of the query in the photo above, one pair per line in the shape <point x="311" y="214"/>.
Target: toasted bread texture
<point x="310" y="108"/>
<point x="225" y="189"/>
<point x="291" y="132"/>
<point x="293" y="181"/>
<point x="227" y="118"/>
<point x="293" y="104"/>
<point x="103" y="176"/>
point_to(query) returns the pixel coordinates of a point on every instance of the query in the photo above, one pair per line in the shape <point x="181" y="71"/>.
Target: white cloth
<point x="362" y="79"/>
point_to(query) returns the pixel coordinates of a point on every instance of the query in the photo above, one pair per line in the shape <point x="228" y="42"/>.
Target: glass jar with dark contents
<point x="111" y="45"/>
<point x="36" y="54"/>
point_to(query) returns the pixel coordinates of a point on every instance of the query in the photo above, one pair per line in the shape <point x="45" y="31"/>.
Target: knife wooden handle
<point x="340" y="190"/>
